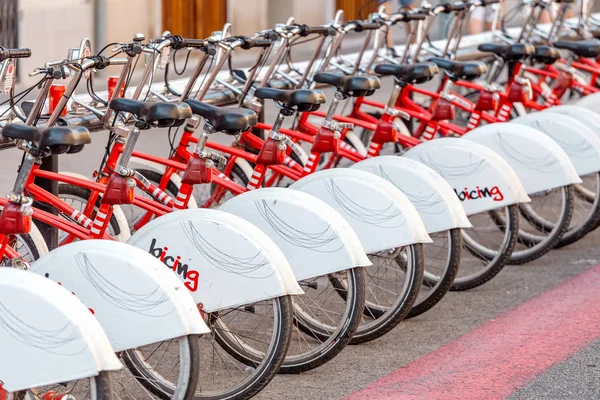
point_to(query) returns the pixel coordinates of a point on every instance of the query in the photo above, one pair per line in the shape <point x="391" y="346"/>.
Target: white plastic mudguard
<point x="315" y="238"/>
<point x="591" y="102"/>
<point x="539" y="161"/>
<point x="577" y="140"/>
<point x="47" y="336"/>
<point x="481" y="179"/>
<point x="382" y="217"/>
<point x="229" y="261"/>
<point x="431" y="195"/>
<point x="127" y="289"/>
<point x="584" y="115"/>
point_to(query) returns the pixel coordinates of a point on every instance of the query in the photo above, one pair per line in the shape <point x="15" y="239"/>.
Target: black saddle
<point x="350" y="86"/>
<point x="508" y="52"/>
<point x="229" y="120"/>
<point x="160" y="114"/>
<point x="56" y="140"/>
<point x="582" y="48"/>
<point x="545" y="55"/>
<point x="409" y="74"/>
<point x="467" y="71"/>
<point x="301" y="100"/>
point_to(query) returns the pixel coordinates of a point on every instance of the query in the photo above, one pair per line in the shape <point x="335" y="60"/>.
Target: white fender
<point x="381" y="215"/>
<point x="540" y="163"/>
<point x="315" y="239"/>
<point x="584" y="115"/>
<point x="233" y="262"/>
<point x="118" y="213"/>
<point x="47" y="336"/>
<point x="127" y="289"/>
<point x="431" y="195"/>
<point x="481" y="179"/>
<point x="577" y="140"/>
<point x="591" y="102"/>
<point x="139" y="163"/>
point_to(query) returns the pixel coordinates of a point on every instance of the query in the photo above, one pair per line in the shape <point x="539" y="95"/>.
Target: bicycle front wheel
<point x="326" y="317"/>
<point x="442" y="260"/>
<point x="489" y="244"/>
<point x="167" y="370"/>
<point x="393" y="283"/>
<point x="245" y="349"/>
<point x="96" y="388"/>
<point x="545" y="221"/>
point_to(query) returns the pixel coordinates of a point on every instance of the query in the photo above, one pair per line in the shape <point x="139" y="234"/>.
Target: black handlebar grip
<point x="415" y="16"/>
<point x="452" y="7"/>
<point x="194" y="43"/>
<point x="14" y="53"/>
<point x="488" y="2"/>
<point x="363" y="26"/>
<point x="251" y="43"/>
<point x="100" y="62"/>
<point x="316" y="30"/>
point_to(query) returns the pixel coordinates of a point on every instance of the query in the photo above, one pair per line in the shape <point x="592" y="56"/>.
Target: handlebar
<point x="14" y="53"/>
<point x="316" y="30"/>
<point x="453" y="7"/>
<point x="365" y="26"/>
<point x="250" y="43"/>
<point x="178" y="42"/>
<point x="416" y="15"/>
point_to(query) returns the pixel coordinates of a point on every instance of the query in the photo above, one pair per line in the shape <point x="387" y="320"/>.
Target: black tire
<point x="536" y="245"/>
<point x="332" y="338"/>
<point x="437" y="281"/>
<point x="101" y="388"/>
<point x="155" y="383"/>
<point x="66" y="189"/>
<point x="263" y="366"/>
<point x="377" y="319"/>
<point x="580" y="227"/>
<point x="493" y="260"/>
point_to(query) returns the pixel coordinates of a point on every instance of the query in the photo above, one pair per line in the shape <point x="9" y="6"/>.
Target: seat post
<point x="129" y="146"/>
<point x="24" y="172"/>
<point x="339" y="96"/>
<point x="395" y="95"/>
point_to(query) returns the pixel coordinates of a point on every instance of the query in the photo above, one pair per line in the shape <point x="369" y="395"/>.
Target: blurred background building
<point x="50" y="27"/>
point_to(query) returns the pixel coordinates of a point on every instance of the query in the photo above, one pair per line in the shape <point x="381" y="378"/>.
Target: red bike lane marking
<point x="504" y="354"/>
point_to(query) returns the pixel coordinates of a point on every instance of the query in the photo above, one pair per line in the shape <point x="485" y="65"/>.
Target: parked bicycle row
<point x="218" y="266"/>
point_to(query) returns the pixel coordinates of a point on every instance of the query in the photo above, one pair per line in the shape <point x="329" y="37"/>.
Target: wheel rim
<point x="483" y="241"/>
<point x="241" y="346"/>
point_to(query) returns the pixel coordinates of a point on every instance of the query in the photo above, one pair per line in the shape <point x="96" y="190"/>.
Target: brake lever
<point x="141" y="178"/>
<point x="395" y="113"/>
